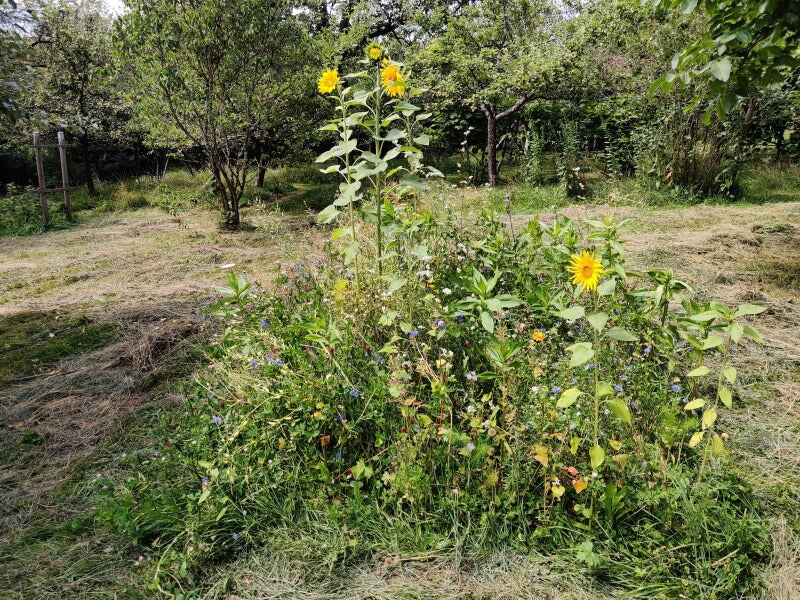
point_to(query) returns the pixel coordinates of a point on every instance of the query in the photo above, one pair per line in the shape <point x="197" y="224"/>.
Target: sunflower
<point x="327" y="83"/>
<point x="585" y="269"/>
<point x="374" y="51"/>
<point x="392" y="80"/>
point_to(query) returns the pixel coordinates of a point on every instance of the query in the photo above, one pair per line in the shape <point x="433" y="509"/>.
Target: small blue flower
<point x="685" y="399"/>
<point x="634" y="406"/>
<point x="204" y="480"/>
<point x="235" y="537"/>
<point x="555" y="390"/>
<point x="472" y="376"/>
<point x="676" y="387"/>
<point x="378" y="358"/>
<point x="338" y="455"/>
<point x="470" y="447"/>
<point x="264" y="323"/>
<point x="253" y="363"/>
<point x="590" y="367"/>
<point x="624" y="377"/>
<point x="277" y="362"/>
<point x="217" y="420"/>
<point x="647" y="350"/>
<point x="416" y="428"/>
<point x="438" y="323"/>
<point x="354" y="393"/>
<point x="618" y="388"/>
<point x="576" y="326"/>
<point x="339" y="416"/>
<point x="460" y="318"/>
<point x="413" y="333"/>
<point x="629" y="367"/>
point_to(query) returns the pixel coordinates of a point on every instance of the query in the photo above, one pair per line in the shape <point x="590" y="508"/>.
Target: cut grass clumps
<point x="475" y="398"/>
<point x="35" y="341"/>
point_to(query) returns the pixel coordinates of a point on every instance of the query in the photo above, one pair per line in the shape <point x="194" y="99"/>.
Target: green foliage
<point x="475" y="395"/>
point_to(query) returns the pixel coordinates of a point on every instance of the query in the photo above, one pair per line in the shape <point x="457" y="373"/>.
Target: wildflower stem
<point x="348" y="178"/>
<point x="378" y="148"/>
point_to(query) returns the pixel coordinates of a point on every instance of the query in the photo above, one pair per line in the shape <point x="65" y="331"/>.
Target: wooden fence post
<point x="62" y="155"/>
<point x="37" y="150"/>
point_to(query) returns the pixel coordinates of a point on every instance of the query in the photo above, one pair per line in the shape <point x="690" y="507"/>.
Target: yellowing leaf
<point x="558" y="490"/>
<point x="597" y="456"/>
<point x="717" y="445"/>
<point x="573" y="445"/>
<point x="709" y="416"/>
<point x="615" y="444"/>
<point x="568" y="398"/>
<point x="730" y="374"/>
<point x="579" y="485"/>
<point x="699" y="403"/>
<point x="541" y="455"/>
<point x="725" y="396"/>
<point x="696" y="439"/>
<point x="621" y="459"/>
<point x="699" y="371"/>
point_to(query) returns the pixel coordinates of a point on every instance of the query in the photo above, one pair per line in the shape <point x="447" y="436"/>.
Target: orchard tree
<point x="75" y="89"/>
<point x="496" y="56"/>
<point x="16" y="20"/>
<point x="212" y="70"/>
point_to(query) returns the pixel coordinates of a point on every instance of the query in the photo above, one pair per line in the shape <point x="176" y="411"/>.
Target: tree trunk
<point x="491" y="144"/>
<point x="87" y="165"/>
<point x="262" y="171"/>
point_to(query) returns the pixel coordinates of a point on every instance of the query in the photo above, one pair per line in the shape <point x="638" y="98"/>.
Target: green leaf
<point x="620" y="410"/>
<point x="607" y="287"/>
<point x="487" y="321"/>
<point x="695" y="404"/>
<point x="604" y="389"/>
<point x="571" y="313"/>
<point x="568" y="398"/>
<point x="597" y="456"/>
<point x="729" y="373"/>
<point x="327" y="214"/>
<point x="688" y="6"/>
<point x="395" y="283"/>
<point x="699" y="371"/>
<point x="582" y="353"/>
<point x="621" y="335"/>
<point x="597" y="320"/>
<point x="725" y="396"/>
<point x="749" y="309"/>
<point x="712" y="341"/>
<point x="753" y="334"/>
<point x="736" y="331"/>
<point x="721" y="69"/>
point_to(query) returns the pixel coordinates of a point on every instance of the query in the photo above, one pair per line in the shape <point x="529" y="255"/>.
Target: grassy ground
<point x="99" y="320"/>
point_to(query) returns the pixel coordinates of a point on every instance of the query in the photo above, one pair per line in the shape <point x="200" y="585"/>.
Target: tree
<point x="75" y="89"/>
<point x="749" y="45"/>
<point x="16" y="20"/>
<point x="497" y="56"/>
<point x="211" y="70"/>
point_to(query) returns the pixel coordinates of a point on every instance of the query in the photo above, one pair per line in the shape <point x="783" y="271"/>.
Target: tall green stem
<point x="378" y="148"/>
<point x="348" y="179"/>
<point x="596" y="375"/>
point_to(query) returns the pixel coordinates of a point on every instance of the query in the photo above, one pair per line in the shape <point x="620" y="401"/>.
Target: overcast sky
<point x="115" y="7"/>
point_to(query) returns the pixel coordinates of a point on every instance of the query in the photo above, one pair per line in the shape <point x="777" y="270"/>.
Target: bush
<point x="475" y="396"/>
<point x="20" y="211"/>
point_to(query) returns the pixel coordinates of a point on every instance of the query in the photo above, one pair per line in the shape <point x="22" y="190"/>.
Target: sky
<point x="115" y="7"/>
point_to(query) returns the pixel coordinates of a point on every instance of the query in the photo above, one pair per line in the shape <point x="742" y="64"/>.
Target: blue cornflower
<point x="253" y="363"/>
<point x="414" y="333"/>
<point x="676" y="387"/>
<point x="264" y="323"/>
<point x="277" y="362"/>
<point x="354" y="393"/>
<point x="618" y="388"/>
<point x="472" y="376"/>
<point x="217" y="420"/>
<point x="624" y="377"/>
<point x="555" y="390"/>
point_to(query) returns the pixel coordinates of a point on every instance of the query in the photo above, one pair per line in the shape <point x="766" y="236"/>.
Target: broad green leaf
<point x="749" y="309"/>
<point x="568" y="398"/>
<point x="597" y="456"/>
<point x="604" y="389"/>
<point x="709" y="417"/>
<point x="620" y="410"/>
<point x="696" y="439"/>
<point x="607" y="287"/>
<point x="729" y="373"/>
<point x="621" y="335"/>
<point x="753" y="334"/>
<point x="694" y="404"/>
<point x="327" y="214"/>
<point x="721" y="69"/>
<point x="597" y="320"/>
<point x="487" y="321"/>
<point x="726" y="396"/>
<point x="712" y="341"/>
<point x="395" y="283"/>
<point x="582" y="353"/>
<point x="699" y="371"/>
<point x="736" y="332"/>
<point x="571" y="313"/>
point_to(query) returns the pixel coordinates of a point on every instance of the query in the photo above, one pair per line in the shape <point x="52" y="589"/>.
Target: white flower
<point x="447" y="291"/>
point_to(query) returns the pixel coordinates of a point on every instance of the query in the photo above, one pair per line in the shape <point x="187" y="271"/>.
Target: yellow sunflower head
<point x="392" y="80"/>
<point x="586" y="270"/>
<point x="374" y="51"/>
<point x="328" y="81"/>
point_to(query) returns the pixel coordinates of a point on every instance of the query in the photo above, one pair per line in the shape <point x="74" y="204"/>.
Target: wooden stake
<point x="37" y="150"/>
<point x="62" y="155"/>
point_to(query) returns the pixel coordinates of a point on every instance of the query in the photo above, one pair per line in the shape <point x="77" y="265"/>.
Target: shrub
<point x="475" y="395"/>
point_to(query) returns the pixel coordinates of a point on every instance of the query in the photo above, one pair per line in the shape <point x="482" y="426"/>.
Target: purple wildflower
<point x="618" y="388"/>
<point x="217" y="420"/>
<point x="354" y="393"/>
<point x="555" y="390"/>
<point x="472" y="376"/>
<point x="676" y="387"/>
<point x="414" y="333"/>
